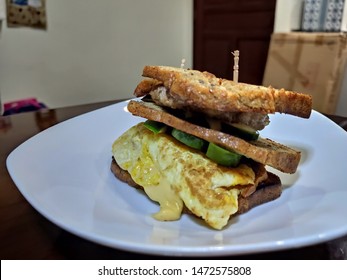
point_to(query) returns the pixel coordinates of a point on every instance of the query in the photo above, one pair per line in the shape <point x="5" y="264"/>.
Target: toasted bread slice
<point x="205" y="91"/>
<point x="264" y="151"/>
<point x="267" y="190"/>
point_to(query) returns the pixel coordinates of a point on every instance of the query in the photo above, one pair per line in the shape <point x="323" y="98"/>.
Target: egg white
<point x="175" y="175"/>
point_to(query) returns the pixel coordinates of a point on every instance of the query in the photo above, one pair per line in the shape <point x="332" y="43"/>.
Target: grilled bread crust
<point x="204" y="91"/>
<point x="263" y="150"/>
<point x="268" y="190"/>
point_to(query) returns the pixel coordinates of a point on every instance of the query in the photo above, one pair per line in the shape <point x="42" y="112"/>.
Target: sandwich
<point x="198" y="148"/>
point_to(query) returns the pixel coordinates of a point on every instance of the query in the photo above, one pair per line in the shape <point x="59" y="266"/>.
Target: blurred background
<point x="70" y="52"/>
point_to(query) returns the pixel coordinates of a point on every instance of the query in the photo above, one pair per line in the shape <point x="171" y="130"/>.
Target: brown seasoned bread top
<point x="262" y="150"/>
<point x="205" y="91"/>
<point x="268" y="190"/>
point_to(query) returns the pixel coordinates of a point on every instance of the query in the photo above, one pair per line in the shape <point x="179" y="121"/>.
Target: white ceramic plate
<point x="64" y="172"/>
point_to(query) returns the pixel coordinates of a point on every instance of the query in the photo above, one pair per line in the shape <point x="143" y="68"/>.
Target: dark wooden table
<point x="25" y="234"/>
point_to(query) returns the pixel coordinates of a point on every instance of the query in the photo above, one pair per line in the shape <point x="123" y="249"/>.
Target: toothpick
<point x="182" y="62"/>
<point x="236" y="55"/>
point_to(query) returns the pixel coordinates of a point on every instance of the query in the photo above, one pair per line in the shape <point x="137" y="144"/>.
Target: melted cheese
<point x="170" y="203"/>
<point x="174" y="175"/>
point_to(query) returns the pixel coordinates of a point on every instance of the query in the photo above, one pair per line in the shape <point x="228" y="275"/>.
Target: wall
<point x="288" y="15"/>
<point x="93" y="50"/>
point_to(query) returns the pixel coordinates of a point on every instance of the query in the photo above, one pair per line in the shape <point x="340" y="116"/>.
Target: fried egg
<point x="175" y="176"/>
